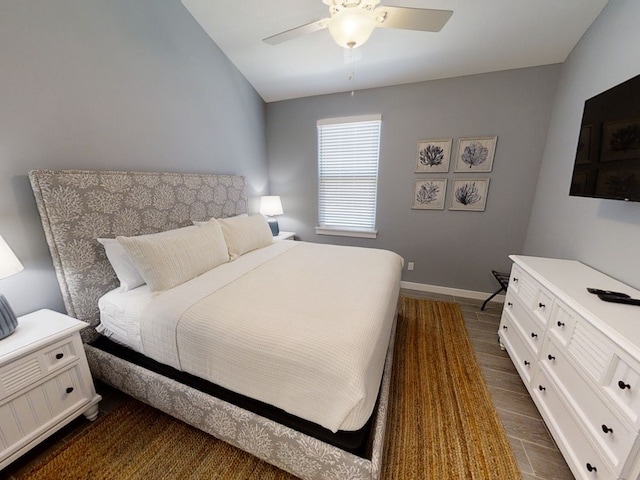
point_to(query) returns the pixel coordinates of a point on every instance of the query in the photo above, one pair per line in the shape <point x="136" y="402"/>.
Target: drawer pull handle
<point x="561" y="324"/>
<point x="509" y="304"/>
<point x="541" y="388"/>
<point x="551" y="357"/>
<point x="526" y="363"/>
<point x="504" y="327"/>
<point x="515" y="279"/>
<point x="591" y="468"/>
<point x="69" y="389"/>
<point x="59" y="356"/>
<point x="623" y="385"/>
<point x="541" y="305"/>
<point x="534" y="335"/>
<point x="606" y="429"/>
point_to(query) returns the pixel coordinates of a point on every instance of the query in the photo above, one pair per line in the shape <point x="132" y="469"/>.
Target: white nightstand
<point x="45" y="381"/>
<point x="284" y="236"/>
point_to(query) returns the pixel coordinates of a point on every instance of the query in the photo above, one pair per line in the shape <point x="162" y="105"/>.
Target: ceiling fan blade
<point x="297" y="32"/>
<point x="423" y="19"/>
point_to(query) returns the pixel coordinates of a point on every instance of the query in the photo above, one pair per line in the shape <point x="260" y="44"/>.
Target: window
<point x="348" y="153"/>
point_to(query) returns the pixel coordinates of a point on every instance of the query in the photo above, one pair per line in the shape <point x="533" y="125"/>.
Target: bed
<point x="195" y="350"/>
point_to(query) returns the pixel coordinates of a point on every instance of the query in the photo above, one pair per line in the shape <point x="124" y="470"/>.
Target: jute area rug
<point x="442" y="424"/>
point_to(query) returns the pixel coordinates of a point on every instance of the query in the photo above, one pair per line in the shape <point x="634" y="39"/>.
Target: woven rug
<point x="442" y="424"/>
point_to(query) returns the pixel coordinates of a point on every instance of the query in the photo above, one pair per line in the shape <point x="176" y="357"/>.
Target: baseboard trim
<point x="456" y="292"/>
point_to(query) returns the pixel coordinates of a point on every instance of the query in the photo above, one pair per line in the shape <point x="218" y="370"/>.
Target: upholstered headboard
<point x="78" y="206"/>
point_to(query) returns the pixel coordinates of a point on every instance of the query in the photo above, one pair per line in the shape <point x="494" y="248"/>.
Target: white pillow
<point x="167" y="259"/>
<point x="244" y="234"/>
<point x="122" y="264"/>
<point x="197" y="222"/>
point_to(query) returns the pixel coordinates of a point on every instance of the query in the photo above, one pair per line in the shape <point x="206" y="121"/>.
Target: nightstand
<point x="284" y="236"/>
<point x="45" y="381"/>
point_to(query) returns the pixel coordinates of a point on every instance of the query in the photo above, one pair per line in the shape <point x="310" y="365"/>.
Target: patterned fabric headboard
<point x="78" y="206"/>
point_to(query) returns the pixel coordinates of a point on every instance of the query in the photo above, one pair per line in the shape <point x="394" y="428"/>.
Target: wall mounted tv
<point x="607" y="163"/>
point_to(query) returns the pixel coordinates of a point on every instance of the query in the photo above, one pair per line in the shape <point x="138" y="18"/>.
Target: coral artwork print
<point x="433" y="156"/>
<point x="429" y="194"/>
<point x="470" y="194"/>
<point x="475" y="154"/>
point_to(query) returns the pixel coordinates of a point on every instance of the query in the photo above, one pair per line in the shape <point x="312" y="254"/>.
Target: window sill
<point x="345" y="232"/>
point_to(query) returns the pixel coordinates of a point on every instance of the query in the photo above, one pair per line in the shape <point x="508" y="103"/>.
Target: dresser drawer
<point x="28" y="415"/>
<point x="521" y="355"/>
<point x="613" y="436"/>
<point x="623" y="386"/>
<point x="534" y="297"/>
<point x="583" y="458"/>
<point x="31" y="368"/>
<point x="530" y="329"/>
<point x="563" y="319"/>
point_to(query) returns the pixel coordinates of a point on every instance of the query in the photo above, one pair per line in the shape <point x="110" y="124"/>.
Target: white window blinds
<point x="348" y="153"/>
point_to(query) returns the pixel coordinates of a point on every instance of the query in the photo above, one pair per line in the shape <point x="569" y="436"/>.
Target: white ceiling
<point x="481" y="36"/>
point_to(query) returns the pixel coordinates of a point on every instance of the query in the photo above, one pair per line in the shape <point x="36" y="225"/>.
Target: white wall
<point x="117" y="84"/>
<point x="604" y="234"/>
<point x="450" y="248"/>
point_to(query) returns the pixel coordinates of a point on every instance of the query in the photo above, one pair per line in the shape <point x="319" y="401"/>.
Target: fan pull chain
<point x="351" y="70"/>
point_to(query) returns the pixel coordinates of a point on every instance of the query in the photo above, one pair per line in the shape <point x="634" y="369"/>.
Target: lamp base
<point x="273" y="224"/>
<point x="8" y="320"/>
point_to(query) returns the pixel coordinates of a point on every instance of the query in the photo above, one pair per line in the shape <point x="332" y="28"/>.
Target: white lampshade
<point x="270" y="205"/>
<point x="352" y="26"/>
<point x="9" y="263"/>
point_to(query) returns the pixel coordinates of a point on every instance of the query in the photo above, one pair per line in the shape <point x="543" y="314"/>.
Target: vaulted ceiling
<point x="481" y="36"/>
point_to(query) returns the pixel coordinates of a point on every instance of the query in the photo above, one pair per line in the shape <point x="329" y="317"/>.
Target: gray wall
<point x="118" y="84"/>
<point x="450" y="248"/>
<point x="602" y="233"/>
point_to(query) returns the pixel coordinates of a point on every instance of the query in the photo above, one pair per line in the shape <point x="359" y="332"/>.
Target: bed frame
<point x="78" y="206"/>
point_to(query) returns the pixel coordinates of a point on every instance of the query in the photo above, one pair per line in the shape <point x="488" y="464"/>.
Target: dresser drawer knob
<point x="541" y="388"/>
<point x="534" y="335"/>
<point x="526" y="363"/>
<point x="561" y="324"/>
<point x="504" y="327"/>
<point x="509" y="304"/>
<point x="515" y="279"/>
<point x="623" y="385"/>
<point x="69" y="389"/>
<point x="606" y="429"/>
<point x="591" y="468"/>
<point x="59" y="356"/>
<point x="551" y="357"/>
<point x="541" y="305"/>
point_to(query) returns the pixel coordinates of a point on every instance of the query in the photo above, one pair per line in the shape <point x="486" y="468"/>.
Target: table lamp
<point x="271" y="205"/>
<point x="9" y="264"/>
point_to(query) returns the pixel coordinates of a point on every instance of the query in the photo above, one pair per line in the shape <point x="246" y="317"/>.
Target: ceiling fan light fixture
<point x="352" y="26"/>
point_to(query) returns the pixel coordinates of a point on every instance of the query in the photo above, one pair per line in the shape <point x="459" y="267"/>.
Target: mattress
<point x="300" y="326"/>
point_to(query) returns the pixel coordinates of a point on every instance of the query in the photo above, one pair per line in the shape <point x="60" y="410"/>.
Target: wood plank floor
<point x="535" y="450"/>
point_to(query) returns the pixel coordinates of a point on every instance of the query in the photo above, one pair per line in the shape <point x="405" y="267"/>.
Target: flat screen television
<point x="607" y="163"/>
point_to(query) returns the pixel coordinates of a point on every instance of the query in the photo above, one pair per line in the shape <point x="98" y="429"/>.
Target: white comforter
<point x="301" y="326"/>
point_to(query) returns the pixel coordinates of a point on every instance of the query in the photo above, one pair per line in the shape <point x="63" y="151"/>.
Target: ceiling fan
<point x="351" y="22"/>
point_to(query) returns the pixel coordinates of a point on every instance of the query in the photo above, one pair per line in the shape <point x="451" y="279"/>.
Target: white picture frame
<point x="475" y="154"/>
<point x="433" y="156"/>
<point x="469" y="194"/>
<point x="429" y="193"/>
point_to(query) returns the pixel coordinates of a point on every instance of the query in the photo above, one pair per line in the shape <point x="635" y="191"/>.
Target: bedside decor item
<point x="9" y="265"/>
<point x="429" y="194"/>
<point x="433" y="156"/>
<point x="270" y="205"/>
<point x="475" y="154"/>
<point x="470" y="194"/>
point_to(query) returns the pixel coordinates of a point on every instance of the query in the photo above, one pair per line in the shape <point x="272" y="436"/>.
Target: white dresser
<point x="44" y="381"/>
<point x="580" y="360"/>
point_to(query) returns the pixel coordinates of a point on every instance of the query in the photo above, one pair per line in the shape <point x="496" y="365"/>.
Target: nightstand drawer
<point x="28" y="415"/>
<point x="30" y="369"/>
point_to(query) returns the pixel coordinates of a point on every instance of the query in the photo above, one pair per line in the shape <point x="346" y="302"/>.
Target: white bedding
<point x="287" y="324"/>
